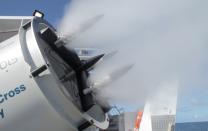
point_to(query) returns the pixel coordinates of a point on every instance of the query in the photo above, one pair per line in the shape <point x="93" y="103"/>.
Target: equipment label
<point x="1" y="113"/>
<point x="6" y="63"/>
<point x="9" y="95"/>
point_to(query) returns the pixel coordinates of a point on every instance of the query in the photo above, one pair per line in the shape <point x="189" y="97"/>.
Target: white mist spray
<point x="166" y="40"/>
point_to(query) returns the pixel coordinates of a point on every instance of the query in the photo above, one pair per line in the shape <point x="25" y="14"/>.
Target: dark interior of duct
<point x="70" y="57"/>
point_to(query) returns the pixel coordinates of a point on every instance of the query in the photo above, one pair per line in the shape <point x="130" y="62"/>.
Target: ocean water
<point x="192" y="126"/>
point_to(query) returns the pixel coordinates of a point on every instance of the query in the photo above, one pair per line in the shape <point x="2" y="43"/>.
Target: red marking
<point x="138" y="120"/>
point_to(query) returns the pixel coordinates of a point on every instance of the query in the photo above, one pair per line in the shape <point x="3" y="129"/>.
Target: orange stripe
<point x="138" y="120"/>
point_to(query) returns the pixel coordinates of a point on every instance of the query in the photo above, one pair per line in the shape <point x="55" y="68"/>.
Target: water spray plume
<point x="165" y="39"/>
<point x="110" y="55"/>
<point x="84" y="26"/>
<point x="98" y="81"/>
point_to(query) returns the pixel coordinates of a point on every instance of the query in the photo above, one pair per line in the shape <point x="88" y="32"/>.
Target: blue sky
<point x="53" y="9"/>
<point x="192" y="105"/>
